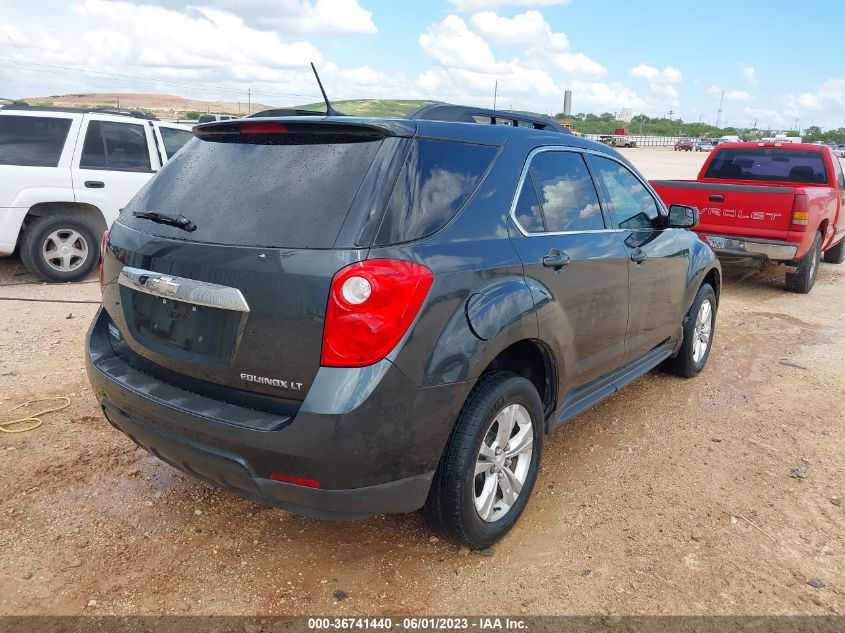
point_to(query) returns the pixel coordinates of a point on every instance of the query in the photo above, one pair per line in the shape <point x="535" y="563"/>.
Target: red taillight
<point x="103" y="241"/>
<point x="262" y="128"/>
<point x="800" y="213"/>
<point x="371" y="306"/>
<point x="299" y="481"/>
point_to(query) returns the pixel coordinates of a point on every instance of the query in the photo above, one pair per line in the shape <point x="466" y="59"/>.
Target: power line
<point x="99" y="74"/>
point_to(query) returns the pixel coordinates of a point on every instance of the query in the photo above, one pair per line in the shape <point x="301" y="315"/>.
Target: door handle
<point x="716" y="197"/>
<point x="639" y="256"/>
<point x="95" y="184"/>
<point x="556" y="259"/>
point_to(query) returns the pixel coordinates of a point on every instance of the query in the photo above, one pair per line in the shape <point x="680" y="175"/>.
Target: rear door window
<point x="558" y="195"/>
<point x="174" y="139"/>
<point x="32" y="141"/>
<point x="116" y="147"/>
<point x="437" y="179"/>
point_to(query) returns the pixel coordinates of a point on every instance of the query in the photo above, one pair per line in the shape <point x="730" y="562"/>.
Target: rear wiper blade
<point x="179" y="221"/>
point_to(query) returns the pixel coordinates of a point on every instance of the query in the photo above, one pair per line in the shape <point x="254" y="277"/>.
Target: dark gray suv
<point x="344" y="317"/>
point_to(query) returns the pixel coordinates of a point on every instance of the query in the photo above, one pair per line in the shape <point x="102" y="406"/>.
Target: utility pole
<point x="671" y="112"/>
<point x="249" y="101"/>
<point x="719" y="114"/>
<point x="797" y="129"/>
<point x="495" y="93"/>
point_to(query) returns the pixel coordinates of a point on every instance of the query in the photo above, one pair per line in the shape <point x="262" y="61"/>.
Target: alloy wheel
<point x="65" y="250"/>
<point x="503" y="462"/>
<point x="702" y="330"/>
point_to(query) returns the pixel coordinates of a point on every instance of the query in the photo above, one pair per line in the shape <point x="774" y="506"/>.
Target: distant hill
<point x="167" y="106"/>
<point x="162" y="105"/>
<point x="371" y="107"/>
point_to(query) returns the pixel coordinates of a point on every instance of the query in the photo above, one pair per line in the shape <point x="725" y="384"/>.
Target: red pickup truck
<point x="783" y="202"/>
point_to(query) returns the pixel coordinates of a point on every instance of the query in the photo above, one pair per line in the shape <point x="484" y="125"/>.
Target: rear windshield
<point x="279" y="195"/>
<point x="32" y="141"/>
<point x="769" y="164"/>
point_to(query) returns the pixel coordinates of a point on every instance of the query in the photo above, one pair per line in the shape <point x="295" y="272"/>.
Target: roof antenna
<point x="330" y="111"/>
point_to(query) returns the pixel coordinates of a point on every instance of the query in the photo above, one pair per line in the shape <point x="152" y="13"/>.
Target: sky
<point x="776" y="63"/>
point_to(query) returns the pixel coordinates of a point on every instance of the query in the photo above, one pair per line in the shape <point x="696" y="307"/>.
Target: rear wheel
<point x="803" y="279"/>
<point x="59" y="247"/>
<point x="489" y="466"/>
<point x="836" y="253"/>
<point x="699" y="326"/>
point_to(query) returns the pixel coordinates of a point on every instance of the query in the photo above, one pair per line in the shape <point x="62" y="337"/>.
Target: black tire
<point x="836" y="253"/>
<point x="450" y="508"/>
<point x="38" y="232"/>
<point x="685" y="363"/>
<point x="803" y="279"/>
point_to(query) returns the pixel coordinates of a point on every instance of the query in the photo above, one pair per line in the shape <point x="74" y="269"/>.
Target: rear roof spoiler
<point x="265" y="127"/>
<point x="468" y="114"/>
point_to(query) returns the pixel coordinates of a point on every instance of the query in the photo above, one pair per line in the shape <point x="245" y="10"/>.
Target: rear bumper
<point x="756" y="248"/>
<point x="234" y="473"/>
<point x="372" y="454"/>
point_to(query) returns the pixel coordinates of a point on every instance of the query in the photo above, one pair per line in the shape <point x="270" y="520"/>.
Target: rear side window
<point x="115" y="146"/>
<point x="32" y="141"/>
<point x="435" y="182"/>
<point x="252" y="194"/>
<point x="558" y="195"/>
<point x="174" y="139"/>
<point x="769" y="164"/>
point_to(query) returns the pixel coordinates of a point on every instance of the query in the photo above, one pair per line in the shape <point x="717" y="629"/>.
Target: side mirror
<point x="682" y="216"/>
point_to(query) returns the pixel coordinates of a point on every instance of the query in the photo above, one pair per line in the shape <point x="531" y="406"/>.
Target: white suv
<point x="64" y="176"/>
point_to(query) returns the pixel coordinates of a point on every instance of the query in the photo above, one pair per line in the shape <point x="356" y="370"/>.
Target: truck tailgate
<point x="762" y="211"/>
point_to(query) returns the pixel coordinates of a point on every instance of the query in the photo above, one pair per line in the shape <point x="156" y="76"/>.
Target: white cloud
<point x="668" y="75"/>
<point x="730" y="95"/>
<point x="452" y="44"/>
<point x="749" y="73"/>
<point x="738" y="95"/>
<point x="332" y="16"/>
<point x="468" y="6"/>
<point x="604" y="97"/>
<point x="660" y="81"/>
<point x="14" y="34"/>
<point x="287" y="16"/>
<point x="528" y="29"/>
<point x="765" y="117"/>
<point x="579" y="65"/>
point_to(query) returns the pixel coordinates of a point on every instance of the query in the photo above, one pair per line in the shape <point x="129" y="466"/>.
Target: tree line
<point x="606" y="123"/>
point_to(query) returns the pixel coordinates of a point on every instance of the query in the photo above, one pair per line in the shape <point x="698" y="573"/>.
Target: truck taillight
<point x="800" y="213"/>
<point x="371" y="306"/>
<point x="103" y="241"/>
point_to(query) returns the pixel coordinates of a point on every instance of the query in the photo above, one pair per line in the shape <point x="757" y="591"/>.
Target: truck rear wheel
<point x="803" y="279"/>
<point x="836" y="253"/>
<point x="59" y="247"/>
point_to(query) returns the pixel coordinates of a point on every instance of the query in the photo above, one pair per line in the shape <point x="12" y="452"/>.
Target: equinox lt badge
<point x="273" y="382"/>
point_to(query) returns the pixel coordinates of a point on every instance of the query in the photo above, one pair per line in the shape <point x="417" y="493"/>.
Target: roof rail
<point x="136" y="114"/>
<point x="468" y="114"/>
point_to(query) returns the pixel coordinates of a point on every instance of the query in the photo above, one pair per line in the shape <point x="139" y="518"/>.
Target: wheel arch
<point x="87" y="212"/>
<point x="533" y="360"/>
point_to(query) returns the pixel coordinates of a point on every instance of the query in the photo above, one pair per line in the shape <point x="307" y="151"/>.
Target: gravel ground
<point x="675" y="496"/>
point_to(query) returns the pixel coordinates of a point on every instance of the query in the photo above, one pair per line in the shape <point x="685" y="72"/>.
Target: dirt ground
<point x="674" y="496"/>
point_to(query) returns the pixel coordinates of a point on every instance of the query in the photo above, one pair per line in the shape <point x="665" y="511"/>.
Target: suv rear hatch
<point x="236" y="297"/>
<point x="218" y="273"/>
